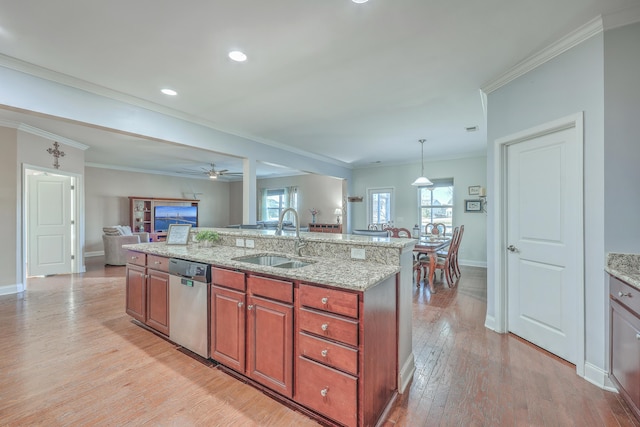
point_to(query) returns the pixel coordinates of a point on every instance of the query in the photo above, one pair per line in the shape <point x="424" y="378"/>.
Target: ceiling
<point x="358" y="83"/>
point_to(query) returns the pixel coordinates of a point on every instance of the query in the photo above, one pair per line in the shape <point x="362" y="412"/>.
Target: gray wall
<point x="622" y="146"/>
<point x="570" y="83"/>
<point x="465" y="173"/>
<point x="107" y="199"/>
<point x="9" y="203"/>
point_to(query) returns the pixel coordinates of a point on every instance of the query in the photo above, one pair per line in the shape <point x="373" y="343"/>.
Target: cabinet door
<point x="158" y="301"/>
<point x="625" y="351"/>
<point x="227" y="327"/>
<point x="136" y="304"/>
<point x="270" y="344"/>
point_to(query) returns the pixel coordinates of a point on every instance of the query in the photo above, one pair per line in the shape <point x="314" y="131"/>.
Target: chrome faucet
<point x="299" y="242"/>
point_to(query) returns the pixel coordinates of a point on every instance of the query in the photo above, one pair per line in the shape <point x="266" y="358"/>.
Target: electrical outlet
<point x="240" y="243"/>
<point x="249" y="243"/>
<point x="357" y="253"/>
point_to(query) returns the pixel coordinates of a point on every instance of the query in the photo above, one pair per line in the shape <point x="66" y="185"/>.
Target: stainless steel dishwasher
<point x="188" y="302"/>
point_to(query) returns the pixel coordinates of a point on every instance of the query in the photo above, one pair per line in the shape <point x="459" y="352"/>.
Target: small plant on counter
<point x="207" y="236"/>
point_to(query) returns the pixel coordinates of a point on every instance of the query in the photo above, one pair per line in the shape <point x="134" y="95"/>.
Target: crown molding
<point x="43" y="133"/>
<point x="73" y="82"/>
<point x="622" y="18"/>
<point x="588" y="30"/>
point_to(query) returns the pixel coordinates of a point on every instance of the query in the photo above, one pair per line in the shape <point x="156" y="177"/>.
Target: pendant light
<point x="422" y="181"/>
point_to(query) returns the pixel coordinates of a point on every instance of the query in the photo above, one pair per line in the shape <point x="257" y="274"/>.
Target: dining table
<point x="429" y="245"/>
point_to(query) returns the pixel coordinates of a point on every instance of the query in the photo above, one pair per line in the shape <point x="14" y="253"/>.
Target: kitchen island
<point x="326" y="337"/>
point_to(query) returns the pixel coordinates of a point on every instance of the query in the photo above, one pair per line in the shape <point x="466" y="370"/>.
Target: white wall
<point x="107" y="199"/>
<point x="9" y="201"/>
<point x="622" y="145"/>
<point x="570" y="83"/>
<point x="314" y="191"/>
<point x="465" y="173"/>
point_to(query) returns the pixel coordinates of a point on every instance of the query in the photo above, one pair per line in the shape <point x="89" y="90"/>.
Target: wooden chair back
<point x="399" y="232"/>
<point x="436" y="228"/>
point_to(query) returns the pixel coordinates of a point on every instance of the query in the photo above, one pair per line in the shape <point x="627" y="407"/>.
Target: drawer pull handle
<point x="324" y="326"/>
<point x="324" y="392"/>
<point x="250" y="307"/>
<point x="240" y="304"/>
<point x="325" y="352"/>
<point x="157" y="262"/>
<point x="624" y="294"/>
<point x="325" y="300"/>
<point x="134" y="258"/>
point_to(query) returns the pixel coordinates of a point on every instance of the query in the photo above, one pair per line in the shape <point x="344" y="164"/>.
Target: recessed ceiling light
<point x="169" y="92"/>
<point x="359" y="1"/>
<point x="238" y="56"/>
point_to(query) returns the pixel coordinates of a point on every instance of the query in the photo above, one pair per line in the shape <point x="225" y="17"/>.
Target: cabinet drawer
<point x="328" y="326"/>
<point x="279" y="290"/>
<point x="137" y="258"/>
<point x="228" y="278"/>
<point x="158" y="262"/>
<point x="327" y="391"/>
<point x="625" y="294"/>
<point x="328" y="353"/>
<point x="332" y="300"/>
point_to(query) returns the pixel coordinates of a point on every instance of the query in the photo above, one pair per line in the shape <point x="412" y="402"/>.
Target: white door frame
<point x="500" y="225"/>
<point x="77" y="233"/>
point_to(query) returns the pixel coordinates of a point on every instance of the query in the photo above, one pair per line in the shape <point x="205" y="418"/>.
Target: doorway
<point x="51" y="222"/>
<point x="539" y="251"/>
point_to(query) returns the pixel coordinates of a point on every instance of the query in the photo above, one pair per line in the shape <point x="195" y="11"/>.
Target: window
<point x="274" y="201"/>
<point x="274" y="204"/>
<point x="436" y="204"/>
<point x="380" y="202"/>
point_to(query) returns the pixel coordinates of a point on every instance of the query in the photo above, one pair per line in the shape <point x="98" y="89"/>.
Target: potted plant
<point x="207" y="237"/>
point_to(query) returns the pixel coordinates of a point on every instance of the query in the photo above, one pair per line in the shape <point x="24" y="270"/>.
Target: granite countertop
<point x="625" y="267"/>
<point x="348" y="274"/>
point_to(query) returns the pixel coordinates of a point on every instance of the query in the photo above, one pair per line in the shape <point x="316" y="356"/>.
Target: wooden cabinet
<point x="136" y="305"/>
<point x="227" y="328"/>
<point x="346" y="351"/>
<point x="142" y="214"/>
<point x="325" y="228"/>
<point x="625" y="341"/>
<point x="270" y="333"/>
<point x="147" y="289"/>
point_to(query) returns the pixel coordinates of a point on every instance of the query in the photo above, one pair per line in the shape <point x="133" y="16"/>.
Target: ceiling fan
<point x="214" y="173"/>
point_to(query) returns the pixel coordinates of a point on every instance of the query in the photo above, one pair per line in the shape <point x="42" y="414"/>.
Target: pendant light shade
<point x="422" y="181"/>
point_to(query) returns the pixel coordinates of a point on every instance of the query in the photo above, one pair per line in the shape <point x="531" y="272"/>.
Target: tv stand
<point x="142" y="214"/>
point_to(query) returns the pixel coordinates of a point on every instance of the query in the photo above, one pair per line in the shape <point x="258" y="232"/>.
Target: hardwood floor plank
<point x="72" y="357"/>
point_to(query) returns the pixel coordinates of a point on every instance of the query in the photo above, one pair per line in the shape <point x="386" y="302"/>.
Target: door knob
<point x="512" y="248"/>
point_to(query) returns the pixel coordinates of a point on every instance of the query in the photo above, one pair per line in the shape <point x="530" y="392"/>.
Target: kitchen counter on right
<point x="625" y="267"/>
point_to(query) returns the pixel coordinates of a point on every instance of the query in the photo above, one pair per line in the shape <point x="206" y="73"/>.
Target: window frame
<point x="380" y="190"/>
<point x="444" y="182"/>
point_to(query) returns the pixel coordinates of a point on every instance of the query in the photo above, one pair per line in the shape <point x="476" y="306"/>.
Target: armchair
<point x="114" y="254"/>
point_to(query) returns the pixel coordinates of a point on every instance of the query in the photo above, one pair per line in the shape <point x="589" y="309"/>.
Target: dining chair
<point x="438" y="228"/>
<point x="455" y="265"/>
<point x="372" y="227"/>
<point x="444" y="262"/>
<point x="398" y="232"/>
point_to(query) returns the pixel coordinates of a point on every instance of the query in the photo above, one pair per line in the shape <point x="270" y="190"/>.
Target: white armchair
<point x="114" y="254"/>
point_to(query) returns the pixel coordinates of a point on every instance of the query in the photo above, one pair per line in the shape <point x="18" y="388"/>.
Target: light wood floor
<point x="70" y="356"/>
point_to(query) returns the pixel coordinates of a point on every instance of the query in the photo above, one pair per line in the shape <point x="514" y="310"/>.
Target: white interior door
<point x="49" y="225"/>
<point x="544" y="240"/>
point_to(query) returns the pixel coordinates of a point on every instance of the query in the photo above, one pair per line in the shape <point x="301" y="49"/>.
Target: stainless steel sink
<point x="272" y="261"/>
<point x="292" y="264"/>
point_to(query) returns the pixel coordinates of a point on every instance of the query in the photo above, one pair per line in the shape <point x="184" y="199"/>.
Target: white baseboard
<point x="490" y="322"/>
<point x="406" y="373"/>
<point x="93" y="254"/>
<point x="11" y="289"/>
<point x="598" y="377"/>
<point x="471" y="263"/>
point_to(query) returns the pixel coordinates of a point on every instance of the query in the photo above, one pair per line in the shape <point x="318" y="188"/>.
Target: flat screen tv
<point x="165" y="215"/>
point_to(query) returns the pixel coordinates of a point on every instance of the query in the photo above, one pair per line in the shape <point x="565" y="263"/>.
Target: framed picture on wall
<point x="474" y="190"/>
<point x="473" y="205"/>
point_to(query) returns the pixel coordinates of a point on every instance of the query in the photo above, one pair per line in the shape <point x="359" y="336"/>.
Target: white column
<point x="249" y="192"/>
